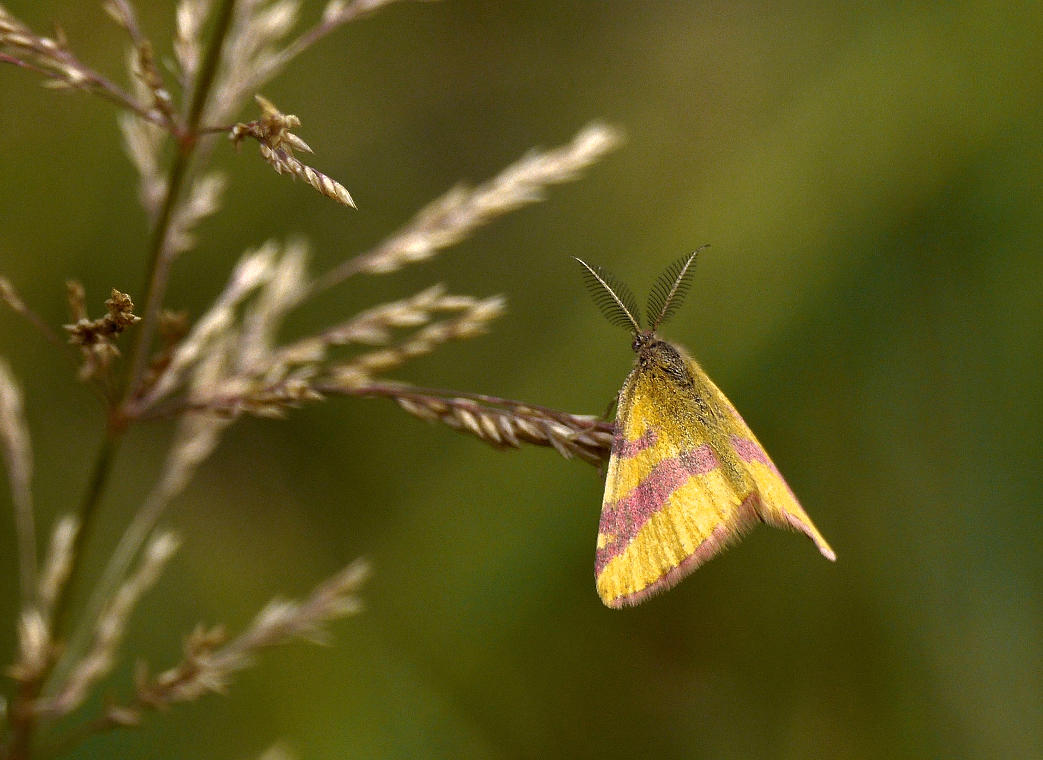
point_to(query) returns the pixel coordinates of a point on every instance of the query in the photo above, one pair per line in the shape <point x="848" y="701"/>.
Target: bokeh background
<point x="870" y="179"/>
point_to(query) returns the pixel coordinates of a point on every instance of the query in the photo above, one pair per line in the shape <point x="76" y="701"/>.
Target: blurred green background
<point x="870" y="179"/>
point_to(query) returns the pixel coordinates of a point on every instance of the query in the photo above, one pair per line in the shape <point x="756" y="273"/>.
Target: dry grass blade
<point x="195" y="439"/>
<point x="277" y="143"/>
<point x="191" y="15"/>
<point x="459" y="212"/>
<point x="18" y="455"/>
<point x="61" y="70"/>
<point x="144" y="143"/>
<point x="110" y="628"/>
<point x="475" y="319"/>
<point x="375" y="326"/>
<point x="203" y="199"/>
<point x="255" y="37"/>
<point x="284" y="162"/>
<point x="57" y="564"/>
<point x="254" y="269"/>
<point x="210" y="662"/>
<point x="501" y="423"/>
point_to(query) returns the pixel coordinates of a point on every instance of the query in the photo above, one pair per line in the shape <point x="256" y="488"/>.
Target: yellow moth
<point x="686" y="477"/>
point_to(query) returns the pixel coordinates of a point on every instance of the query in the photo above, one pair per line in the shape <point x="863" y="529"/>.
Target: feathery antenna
<point x="613" y="297"/>
<point x="670" y="289"/>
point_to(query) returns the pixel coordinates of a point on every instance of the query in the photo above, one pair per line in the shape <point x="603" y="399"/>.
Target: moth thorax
<point x="655" y="354"/>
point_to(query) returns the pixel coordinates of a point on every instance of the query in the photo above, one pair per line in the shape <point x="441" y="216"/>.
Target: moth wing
<point x="772" y="499"/>
<point x="668" y="506"/>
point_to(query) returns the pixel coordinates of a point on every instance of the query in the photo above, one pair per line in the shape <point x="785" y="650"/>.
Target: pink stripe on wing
<point x="625" y="449"/>
<point x="749" y="451"/>
<point x="624" y="519"/>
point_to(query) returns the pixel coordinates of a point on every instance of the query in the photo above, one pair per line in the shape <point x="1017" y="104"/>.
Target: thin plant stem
<point x="211" y="63"/>
<point x="87" y="517"/>
<point x="158" y="273"/>
<point x="159" y="259"/>
<point x="22" y="721"/>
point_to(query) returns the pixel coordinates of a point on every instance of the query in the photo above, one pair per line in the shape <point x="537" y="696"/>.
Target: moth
<point x="686" y="477"/>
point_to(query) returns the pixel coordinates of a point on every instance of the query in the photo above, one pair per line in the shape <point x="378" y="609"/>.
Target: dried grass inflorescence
<point x="272" y="132"/>
<point x="97" y="337"/>
<point x="508" y="424"/>
<point x="230" y="360"/>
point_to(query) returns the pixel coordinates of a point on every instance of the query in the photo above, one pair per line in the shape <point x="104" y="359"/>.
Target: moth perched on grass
<point x="687" y="477"/>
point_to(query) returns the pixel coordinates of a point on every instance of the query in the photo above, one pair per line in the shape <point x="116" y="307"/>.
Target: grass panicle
<point x="145" y="360"/>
